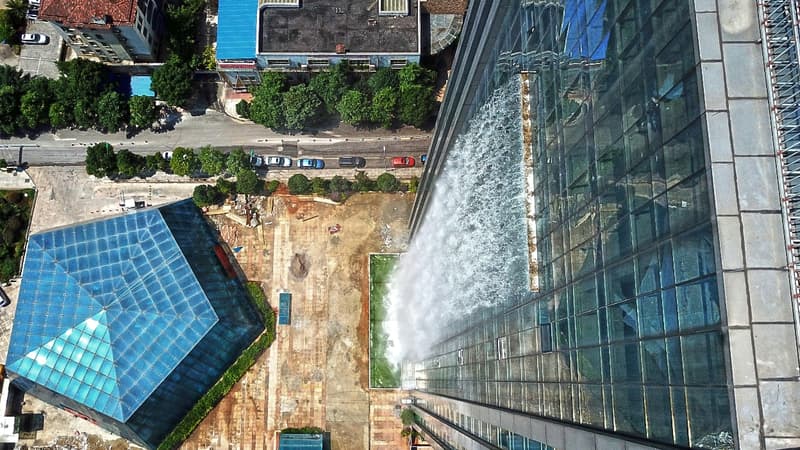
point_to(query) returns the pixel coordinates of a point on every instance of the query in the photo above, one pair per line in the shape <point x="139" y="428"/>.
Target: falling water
<point x="471" y="250"/>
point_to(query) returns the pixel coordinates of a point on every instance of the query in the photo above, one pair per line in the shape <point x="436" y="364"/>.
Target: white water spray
<point x="471" y="250"/>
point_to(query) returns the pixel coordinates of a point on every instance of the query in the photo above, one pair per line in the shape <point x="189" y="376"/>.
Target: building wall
<point x="749" y="222"/>
<point x="665" y="310"/>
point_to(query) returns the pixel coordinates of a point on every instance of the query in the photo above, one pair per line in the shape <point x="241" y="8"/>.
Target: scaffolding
<point x="779" y="37"/>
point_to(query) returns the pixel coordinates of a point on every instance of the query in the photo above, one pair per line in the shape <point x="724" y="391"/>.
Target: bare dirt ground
<point x="316" y="372"/>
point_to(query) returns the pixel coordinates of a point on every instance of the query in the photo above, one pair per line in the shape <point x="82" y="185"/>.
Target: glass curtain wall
<point x="624" y="334"/>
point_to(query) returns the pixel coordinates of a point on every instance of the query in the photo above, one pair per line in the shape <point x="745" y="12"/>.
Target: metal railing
<point x="779" y="36"/>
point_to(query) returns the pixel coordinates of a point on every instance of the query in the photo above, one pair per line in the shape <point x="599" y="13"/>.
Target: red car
<point x="402" y="161"/>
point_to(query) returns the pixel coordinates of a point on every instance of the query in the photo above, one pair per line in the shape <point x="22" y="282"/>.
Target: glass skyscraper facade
<point x="627" y="335"/>
<point x="128" y="321"/>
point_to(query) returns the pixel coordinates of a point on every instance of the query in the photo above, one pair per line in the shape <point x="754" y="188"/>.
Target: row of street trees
<point x="103" y="161"/>
<point x="84" y="96"/>
<point x="386" y="98"/>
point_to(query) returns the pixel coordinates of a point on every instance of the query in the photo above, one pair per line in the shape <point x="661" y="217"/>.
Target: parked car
<point x="402" y="161"/>
<point x="311" y="163"/>
<point x="352" y="161"/>
<point x="257" y="161"/>
<point x="34" y="38"/>
<point x="423" y="158"/>
<point x="279" y="161"/>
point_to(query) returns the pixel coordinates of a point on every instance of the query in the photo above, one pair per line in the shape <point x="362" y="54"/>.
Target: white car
<point x="34" y="38"/>
<point x="279" y="161"/>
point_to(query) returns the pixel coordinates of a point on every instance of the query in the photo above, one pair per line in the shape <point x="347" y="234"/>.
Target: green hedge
<point x="234" y="373"/>
<point x="303" y="430"/>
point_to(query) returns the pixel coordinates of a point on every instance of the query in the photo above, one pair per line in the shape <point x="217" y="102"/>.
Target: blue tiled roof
<point x="237" y="29"/>
<point x="106" y="311"/>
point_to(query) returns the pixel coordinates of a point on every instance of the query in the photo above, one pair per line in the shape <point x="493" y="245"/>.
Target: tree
<point x="243" y="109"/>
<point x="340" y="185"/>
<point x="353" y="108"/>
<point x="387" y="182"/>
<point x="330" y="85"/>
<point x="408" y="417"/>
<point x="237" y="161"/>
<point x="59" y="116"/>
<point x="9" y="109"/>
<point x="319" y="186"/>
<point x="101" y="161"/>
<point x="301" y="106"/>
<point x="7" y="28"/>
<point x="35" y="103"/>
<point x="384" y="103"/>
<point x="266" y="108"/>
<point x="273" y="186"/>
<point x="382" y="79"/>
<point x="416" y="104"/>
<point x="155" y="162"/>
<point x="226" y="187"/>
<point x="78" y="89"/>
<point x="415" y="74"/>
<point x="212" y="161"/>
<point x="84" y="114"/>
<point x="209" y="59"/>
<point x="184" y="162"/>
<point x="129" y="164"/>
<point x="299" y="184"/>
<point x="172" y="82"/>
<point x="247" y="182"/>
<point x="142" y="110"/>
<point x="363" y="183"/>
<point x="413" y="184"/>
<point x="112" y="110"/>
<point x="205" y="195"/>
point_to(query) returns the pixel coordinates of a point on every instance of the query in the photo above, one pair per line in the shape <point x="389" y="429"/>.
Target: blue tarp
<point x="237" y="29"/>
<point x="285" y="309"/>
<point x="140" y="85"/>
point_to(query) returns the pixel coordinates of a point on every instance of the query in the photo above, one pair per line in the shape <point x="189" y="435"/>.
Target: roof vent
<point x="341" y="49"/>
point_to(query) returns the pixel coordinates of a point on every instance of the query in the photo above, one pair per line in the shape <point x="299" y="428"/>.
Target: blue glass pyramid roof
<point x="106" y="311"/>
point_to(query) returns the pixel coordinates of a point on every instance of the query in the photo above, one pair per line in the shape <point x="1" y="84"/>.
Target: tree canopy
<point x="112" y="110"/>
<point x="299" y="184"/>
<point x="247" y="182"/>
<point x="301" y="107"/>
<point x="266" y="107"/>
<point x="172" y="82"/>
<point x="331" y="85"/>
<point x="212" y="161"/>
<point x="101" y="161"/>
<point x="237" y="161"/>
<point x="142" y="111"/>
<point x="184" y="162"/>
<point x="353" y="108"/>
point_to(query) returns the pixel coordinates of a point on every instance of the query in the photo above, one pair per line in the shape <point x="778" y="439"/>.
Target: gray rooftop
<point x="319" y="25"/>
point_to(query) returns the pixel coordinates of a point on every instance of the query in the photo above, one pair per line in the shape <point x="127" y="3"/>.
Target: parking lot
<point x="41" y="59"/>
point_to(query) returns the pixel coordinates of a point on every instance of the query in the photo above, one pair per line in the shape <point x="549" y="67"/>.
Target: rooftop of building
<point x="318" y="26"/>
<point x="89" y="13"/>
<point x="106" y="310"/>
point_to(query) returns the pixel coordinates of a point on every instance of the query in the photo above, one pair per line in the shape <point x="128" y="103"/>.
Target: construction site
<point x="316" y="373"/>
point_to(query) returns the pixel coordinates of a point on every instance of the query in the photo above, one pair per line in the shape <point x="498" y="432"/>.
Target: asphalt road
<point x="68" y="147"/>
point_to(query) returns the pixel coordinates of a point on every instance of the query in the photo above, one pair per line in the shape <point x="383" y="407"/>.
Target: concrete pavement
<point x="66" y="147"/>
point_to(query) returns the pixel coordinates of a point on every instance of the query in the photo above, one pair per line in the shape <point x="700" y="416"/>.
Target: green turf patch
<point x="382" y="373"/>
<point x="15" y="216"/>
<point x="234" y="373"/>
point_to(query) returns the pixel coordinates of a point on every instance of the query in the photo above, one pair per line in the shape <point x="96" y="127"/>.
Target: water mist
<point x="471" y="250"/>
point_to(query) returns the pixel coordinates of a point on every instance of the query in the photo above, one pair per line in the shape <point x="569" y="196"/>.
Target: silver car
<point x="279" y="161"/>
